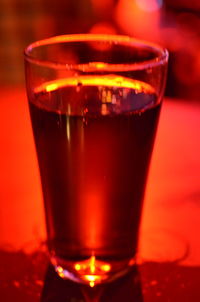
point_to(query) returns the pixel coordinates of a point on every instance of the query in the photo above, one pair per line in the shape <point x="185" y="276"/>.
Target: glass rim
<point x="161" y="53"/>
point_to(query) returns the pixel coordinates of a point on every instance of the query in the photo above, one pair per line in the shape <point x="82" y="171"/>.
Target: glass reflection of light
<point x="51" y="87"/>
<point x="92" y="279"/>
<point x="65" y="274"/>
<point x="105" y="267"/>
<point x="104" y="80"/>
<point x="68" y="122"/>
<point x="104" y="109"/>
<point x="92" y="270"/>
<point x="77" y="267"/>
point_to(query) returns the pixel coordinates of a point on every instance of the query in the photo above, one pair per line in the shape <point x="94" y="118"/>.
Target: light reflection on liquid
<point x="106" y="81"/>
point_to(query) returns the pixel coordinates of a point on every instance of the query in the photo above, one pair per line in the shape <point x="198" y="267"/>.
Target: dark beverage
<point x="94" y="138"/>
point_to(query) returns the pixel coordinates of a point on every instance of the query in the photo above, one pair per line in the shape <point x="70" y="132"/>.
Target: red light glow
<point x="149" y="5"/>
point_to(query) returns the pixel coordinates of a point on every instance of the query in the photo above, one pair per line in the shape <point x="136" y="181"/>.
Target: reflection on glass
<point x="126" y="289"/>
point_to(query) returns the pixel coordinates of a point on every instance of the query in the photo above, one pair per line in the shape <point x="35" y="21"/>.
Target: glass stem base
<point x="92" y="271"/>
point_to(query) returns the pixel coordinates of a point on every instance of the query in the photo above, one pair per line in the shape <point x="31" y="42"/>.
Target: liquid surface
<point x="103" y="95"/>
<point x="94" y="138"/>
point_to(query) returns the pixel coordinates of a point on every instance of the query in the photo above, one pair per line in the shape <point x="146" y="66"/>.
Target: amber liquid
<point x="94" y="138"/>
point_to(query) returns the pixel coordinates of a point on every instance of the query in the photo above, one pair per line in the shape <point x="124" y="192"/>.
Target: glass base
<point x="92" y="271"/>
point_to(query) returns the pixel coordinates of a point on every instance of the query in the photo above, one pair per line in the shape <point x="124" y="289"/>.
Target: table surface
<point x="169" y="249"/>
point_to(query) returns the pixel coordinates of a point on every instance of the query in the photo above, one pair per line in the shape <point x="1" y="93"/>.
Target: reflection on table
<point x="29" y="277"/>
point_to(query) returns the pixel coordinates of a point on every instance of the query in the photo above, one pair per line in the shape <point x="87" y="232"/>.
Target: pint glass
<point x="94" y="104"/>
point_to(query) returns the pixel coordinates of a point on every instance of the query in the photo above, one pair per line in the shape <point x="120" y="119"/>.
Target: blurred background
<point x="172" y="207"/>
<point x="174" y="24"/>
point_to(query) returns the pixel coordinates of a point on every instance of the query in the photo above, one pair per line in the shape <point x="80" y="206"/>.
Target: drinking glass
<point x="94" y="104"/>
